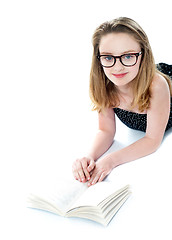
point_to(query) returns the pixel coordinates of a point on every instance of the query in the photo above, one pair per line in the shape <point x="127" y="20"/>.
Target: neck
<point x="125" y="91"/>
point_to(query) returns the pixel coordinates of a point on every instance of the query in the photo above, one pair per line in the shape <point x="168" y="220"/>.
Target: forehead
<point x="118" y="43"/>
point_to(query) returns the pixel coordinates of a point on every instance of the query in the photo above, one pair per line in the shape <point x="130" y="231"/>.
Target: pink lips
<point x="119" y="75"/>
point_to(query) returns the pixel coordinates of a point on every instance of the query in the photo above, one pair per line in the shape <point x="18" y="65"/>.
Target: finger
<point x="75" y="172"/>
<point x="86" y="173"/>
<point x="80" y="171"/>
<point x="94" y="179"/>
<point x="91" y="165"/>
<point x="102" y="176"/>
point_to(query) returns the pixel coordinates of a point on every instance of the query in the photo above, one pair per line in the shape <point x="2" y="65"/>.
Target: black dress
<point x="138" y="121"/>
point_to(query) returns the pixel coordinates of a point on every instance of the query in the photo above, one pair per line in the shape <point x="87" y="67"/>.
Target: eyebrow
<point x="128" y="51"/>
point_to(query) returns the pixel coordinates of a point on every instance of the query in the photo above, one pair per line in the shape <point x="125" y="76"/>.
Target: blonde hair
<point x="103" y="92"/>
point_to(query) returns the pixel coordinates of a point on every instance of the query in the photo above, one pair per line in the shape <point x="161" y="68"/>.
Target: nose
<point x="118" y="65"/>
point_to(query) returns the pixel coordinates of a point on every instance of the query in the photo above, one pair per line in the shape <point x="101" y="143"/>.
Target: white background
<point x="45" y="113"/>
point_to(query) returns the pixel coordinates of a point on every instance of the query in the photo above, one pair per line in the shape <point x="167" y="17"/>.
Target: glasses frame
<point x="115" y="57"/>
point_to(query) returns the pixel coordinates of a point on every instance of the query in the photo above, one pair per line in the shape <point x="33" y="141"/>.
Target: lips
<point x="119" y="75"/>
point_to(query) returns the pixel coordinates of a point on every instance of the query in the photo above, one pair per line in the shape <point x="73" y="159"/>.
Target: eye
<point x="128" y="56"/>
<point x="108" y="58"/>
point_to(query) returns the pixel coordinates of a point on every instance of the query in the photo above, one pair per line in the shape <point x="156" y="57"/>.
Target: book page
<point x="62" y="194"/>
<point x="97" y="193"/>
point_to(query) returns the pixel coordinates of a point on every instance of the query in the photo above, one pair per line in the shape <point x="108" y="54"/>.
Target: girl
<point x="124" y="81"/>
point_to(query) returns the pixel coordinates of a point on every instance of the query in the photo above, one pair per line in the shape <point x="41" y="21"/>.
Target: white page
<point x="96" y="193"/>
<point x="61" y="194"/>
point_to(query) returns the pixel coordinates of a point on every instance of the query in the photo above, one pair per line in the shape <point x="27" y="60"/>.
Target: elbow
<point x="155" y="147"/>
<point x="154" y="144"/>
<point x="108" y="132"/>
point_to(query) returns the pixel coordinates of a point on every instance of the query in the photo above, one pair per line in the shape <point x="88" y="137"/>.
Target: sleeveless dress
<point x="138" y="121"/>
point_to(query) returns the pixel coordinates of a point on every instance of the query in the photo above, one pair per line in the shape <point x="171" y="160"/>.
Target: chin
<point x="121" y="83"/>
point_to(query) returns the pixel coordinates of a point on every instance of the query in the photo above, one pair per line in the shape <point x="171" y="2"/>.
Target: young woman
<point x="124" y="81"/>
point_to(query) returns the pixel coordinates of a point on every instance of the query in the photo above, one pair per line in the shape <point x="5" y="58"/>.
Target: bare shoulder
<point x="160" y="93"/>
<point x="107" y="119"/>
<point x="159" y="85"/>
<point x="107" y="115"/>
<point x="158" y="112"/>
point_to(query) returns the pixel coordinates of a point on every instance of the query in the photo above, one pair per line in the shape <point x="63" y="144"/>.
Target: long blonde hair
<point x="103" y="92"/>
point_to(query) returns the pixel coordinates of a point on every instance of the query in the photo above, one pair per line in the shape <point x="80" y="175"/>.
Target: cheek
<point x="134" y="71"/>
<point x="107" y="72"/>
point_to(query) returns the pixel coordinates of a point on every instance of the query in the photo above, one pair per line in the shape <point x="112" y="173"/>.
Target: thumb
<point x="91" y="165"/>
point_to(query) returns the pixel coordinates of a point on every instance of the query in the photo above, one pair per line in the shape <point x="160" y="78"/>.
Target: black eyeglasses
<point x="128" y="60"/>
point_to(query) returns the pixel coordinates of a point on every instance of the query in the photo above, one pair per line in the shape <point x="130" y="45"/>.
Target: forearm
<point x="101" y="144"/>
<point x="138" y="149"/>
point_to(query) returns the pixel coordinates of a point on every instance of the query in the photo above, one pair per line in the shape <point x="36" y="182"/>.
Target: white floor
<point x="46" y="121"/>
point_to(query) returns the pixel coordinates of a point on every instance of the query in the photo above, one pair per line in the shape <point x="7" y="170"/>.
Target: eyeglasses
<point x="128" y="60"/>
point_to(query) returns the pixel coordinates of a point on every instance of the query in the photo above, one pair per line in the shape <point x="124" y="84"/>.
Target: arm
<point x="103" y="140"/>
<point x="157" y="118"/>
<point x="105" y="135"/>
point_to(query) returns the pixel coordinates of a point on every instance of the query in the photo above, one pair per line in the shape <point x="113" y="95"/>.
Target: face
<point x="117" y="44"/>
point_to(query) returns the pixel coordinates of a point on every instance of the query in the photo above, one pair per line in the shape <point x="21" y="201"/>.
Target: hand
<point x="82" y="167"/>
<point x="103" y="167"/>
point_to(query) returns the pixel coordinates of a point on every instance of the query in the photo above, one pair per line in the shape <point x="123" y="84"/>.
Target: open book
<point x="99" y="202"/>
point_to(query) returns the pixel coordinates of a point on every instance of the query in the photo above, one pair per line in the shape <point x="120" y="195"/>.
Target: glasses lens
<point x="129" y="59"/>
<point x="106" y="61"/>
